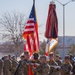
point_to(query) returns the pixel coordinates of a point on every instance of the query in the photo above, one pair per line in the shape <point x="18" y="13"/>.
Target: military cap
<point x="22" y="56"/>
<point x="36" y="54"/>
<point x="51" y="54"/>
<point x="67" y="57"/>
<point x="43" y="56"/>
<point x="26" y="52"/>
<point x="57" y="55"/>
<point x="13" y="57"/>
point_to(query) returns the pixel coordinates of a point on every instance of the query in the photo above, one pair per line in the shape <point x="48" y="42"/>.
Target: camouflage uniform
<point x="22" y="68"/>
<point x="58" y="61"/>
<point x="42" y="69"/>
<point x="7" y="67"/>
<point x="1" y="66"/>
<point x="53" y="71"/>
<point x="52" y="64"/>
<point x="35" y="59"/>
<point x="35" y="62"/>
<point x="14" y="66"/>
<point x="66" y="67"/>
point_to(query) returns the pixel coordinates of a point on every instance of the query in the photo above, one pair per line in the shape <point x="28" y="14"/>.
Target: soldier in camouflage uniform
<point x="43" y="68"/>
<point x="59" y="64"/>
<point x="52" y="64"/>
<point x="14" y="65"/>
<point x="35" y="61"/>
<point x="21" y="59"/>
<point x="7" y="66"/>
<point x="57" y="59"/>
<point x="22" y="68"/>
<point x="35" y="58"/>
<point x="19" y="67"/>
<point x="1" y="66"/>
<point x="66" y="67"/>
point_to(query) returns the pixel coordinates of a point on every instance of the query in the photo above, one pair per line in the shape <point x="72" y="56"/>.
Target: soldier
<point x="21" y="59"/>
<point x="53" y="64"/>
<point x="19" y="68"/>
<point x="66" y="67"/>
<point x="73" y="63"/>
<point x="43" y="68"/>
<point x="35" y="61"/>
<point x="1" y="66"/>
<point x="22" y="68"/>
<point x="35" y="58"/>
<point x="58" y="60"/>
<point x="59" y="64"/>
<point x="7" y="66"/>
<point x="14" y="64"/>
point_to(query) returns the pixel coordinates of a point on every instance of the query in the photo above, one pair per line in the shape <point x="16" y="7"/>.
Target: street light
<point x="64" y="21"/>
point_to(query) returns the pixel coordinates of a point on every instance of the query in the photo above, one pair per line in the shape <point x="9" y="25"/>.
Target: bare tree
<point x="42" y="47"/>
<point x="72" y="49"/>
<point x="14" y="25"/>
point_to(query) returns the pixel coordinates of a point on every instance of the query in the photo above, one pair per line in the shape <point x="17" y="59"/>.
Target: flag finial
<point x="52" y="2"/>
<point x="34" y="1"/>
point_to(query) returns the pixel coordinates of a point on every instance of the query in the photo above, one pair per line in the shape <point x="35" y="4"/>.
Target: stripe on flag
<point x="31" y="33"/>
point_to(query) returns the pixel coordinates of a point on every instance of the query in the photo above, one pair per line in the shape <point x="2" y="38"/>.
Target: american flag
<point x="31" y="33"/>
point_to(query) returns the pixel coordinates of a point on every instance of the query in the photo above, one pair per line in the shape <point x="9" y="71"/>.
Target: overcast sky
<point x="24" y="6"/>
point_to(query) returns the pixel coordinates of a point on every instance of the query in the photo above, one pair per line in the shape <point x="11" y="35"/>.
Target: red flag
<point x="52" y="23"/>
<point x="51" y="28"/>
<point x="30" y="70"/>
<point x="31" y="33"/>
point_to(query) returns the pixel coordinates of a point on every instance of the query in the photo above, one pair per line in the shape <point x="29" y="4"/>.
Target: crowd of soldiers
<point x="40" y="65"/>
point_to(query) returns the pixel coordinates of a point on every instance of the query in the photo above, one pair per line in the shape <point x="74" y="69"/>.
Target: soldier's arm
<point x="47" y="69"/>
<point x="10" y="65"/>
<point x="38" y="69"/>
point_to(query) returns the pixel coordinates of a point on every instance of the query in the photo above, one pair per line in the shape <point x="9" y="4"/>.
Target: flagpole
<point x="52" y="2"/>
<point x="64" y="22"/>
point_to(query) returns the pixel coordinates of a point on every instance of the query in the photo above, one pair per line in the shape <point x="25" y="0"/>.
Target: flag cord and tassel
<point x="31" y="30"/>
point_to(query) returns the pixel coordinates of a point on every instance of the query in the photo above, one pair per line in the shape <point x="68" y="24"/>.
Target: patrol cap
<point x="36" y="54"/>
<point x="14" y="56"/>
<point x="51" y="54"/>
<point x="67" y="57"/>
<point x="26" y="53"/>
<point x="57" y="55"/>
<point x="22" y="56"/>
<point x="43" y="56"/>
